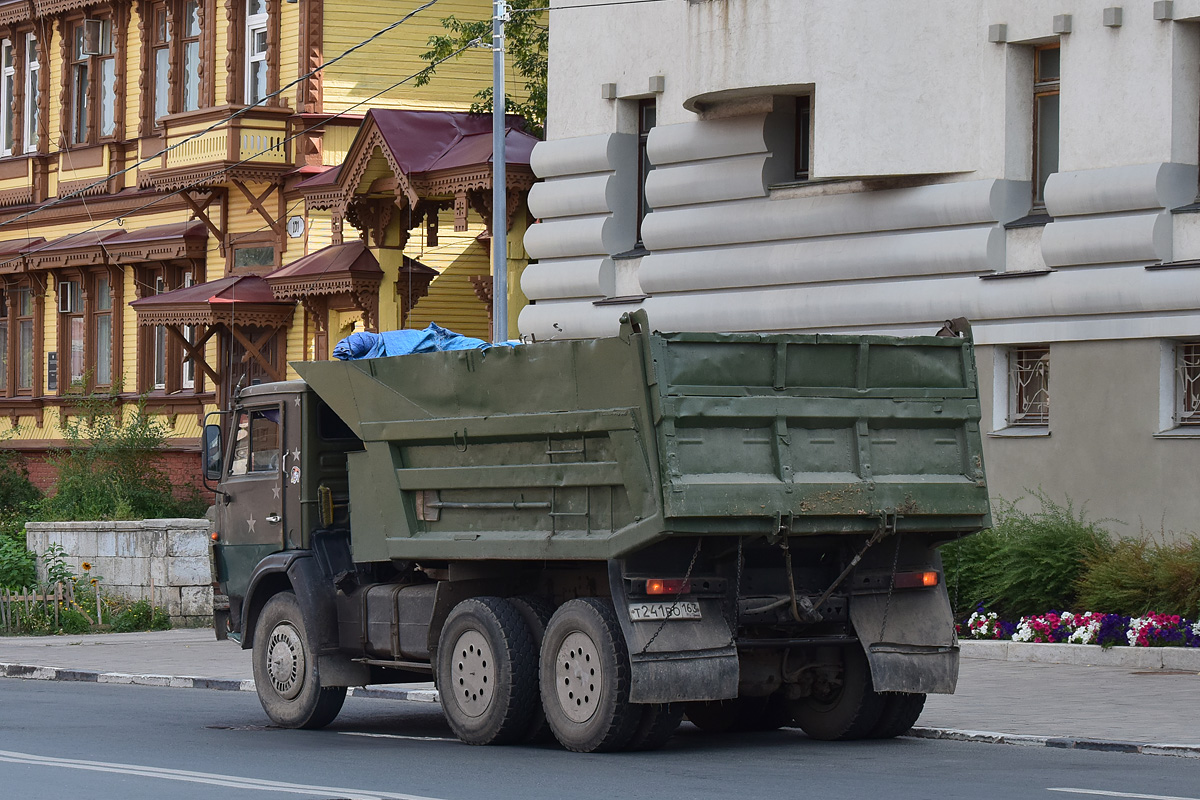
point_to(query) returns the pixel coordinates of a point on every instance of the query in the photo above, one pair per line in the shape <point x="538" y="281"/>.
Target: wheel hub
<point x="578" y="677"/>
<point x="286" y="663"/>
<point x="473" y="673"/>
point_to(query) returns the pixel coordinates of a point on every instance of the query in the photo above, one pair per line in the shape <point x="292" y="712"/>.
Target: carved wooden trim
<point x="234" y="48"/>
<point x="64" y="89"/>
<point x="120" y="21"/>
<point x="273" y="46"/>
<point x="145" y="88"/>
<point x="483" y="290"/>
<point x="312" y="33"/>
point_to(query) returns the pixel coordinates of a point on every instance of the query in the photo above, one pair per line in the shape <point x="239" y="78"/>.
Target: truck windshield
<point x="256" y="442"/>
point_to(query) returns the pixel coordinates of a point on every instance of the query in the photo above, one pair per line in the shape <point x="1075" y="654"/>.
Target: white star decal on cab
<point x="250" y="524"/>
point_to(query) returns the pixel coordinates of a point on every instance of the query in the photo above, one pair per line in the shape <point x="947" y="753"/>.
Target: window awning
<point x="242" y="300"/>
<point x="10" y="253"/>
<point x="336" y="269"/>
<point x="175" y="241"/>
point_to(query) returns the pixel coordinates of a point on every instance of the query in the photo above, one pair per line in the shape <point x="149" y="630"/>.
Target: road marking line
<point x="397" y="736"/>
<point x="212" y="779"/>
<point x="1103" y="793"/>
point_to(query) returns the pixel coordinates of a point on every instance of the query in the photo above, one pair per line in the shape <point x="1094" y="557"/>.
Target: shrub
<point x="1137" y="576"/>
<point x="141" y="616"/>
<point x="18" y="566"/>
<point x="16" y="492"/>
<point x="1026" y="563"/>
<point x="110" y="467"/>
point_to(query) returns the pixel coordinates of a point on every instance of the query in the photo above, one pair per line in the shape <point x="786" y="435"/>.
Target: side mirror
<point x="212" y="452"/>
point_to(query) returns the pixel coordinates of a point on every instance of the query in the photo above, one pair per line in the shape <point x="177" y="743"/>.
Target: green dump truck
<point x="592" y="538"/>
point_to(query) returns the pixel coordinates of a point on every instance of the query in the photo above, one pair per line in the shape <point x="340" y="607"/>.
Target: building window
<point x="189" y="39"/>
<point x="93" y="69"/>
<point x="160" y="343"/>
<point x="175" y="43"/>
<point x="3" y="342"/>
<point x="803" y="137"/>
<point x="8" y="83"/>
<point x="160" y="60"/>
<point x="1187" y="383"/>
<point x="647" y="117"/>
<point x="33" y="74"/>
<point x="257" y="41"/>
<point x="1045" y="118"/>
<point x="188" y="367"/>
<point x="24" y="312"/>
<point x="1029" y="386"/>
<point x="253" y="257"/>
<point x="71" y="328"/>
<point x="102" y="331"/>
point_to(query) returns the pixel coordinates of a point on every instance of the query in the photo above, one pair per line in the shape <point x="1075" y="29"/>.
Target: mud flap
<point x="677" y="660"/>
<point x="918" y="649"/>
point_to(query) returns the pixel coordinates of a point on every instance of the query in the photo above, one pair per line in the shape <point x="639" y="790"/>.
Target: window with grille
<point x="1029" y="386"/>
<point x="1187" y="383"/>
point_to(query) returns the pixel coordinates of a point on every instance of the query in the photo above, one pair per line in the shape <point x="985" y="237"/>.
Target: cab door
<point x="251" y="522"/>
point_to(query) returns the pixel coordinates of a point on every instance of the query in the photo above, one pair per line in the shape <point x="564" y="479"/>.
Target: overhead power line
<point x="167" y="195"/>
<point x="225" y="120"/>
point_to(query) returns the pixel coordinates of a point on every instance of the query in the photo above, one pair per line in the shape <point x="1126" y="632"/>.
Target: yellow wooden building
<point x="186" y="202"/>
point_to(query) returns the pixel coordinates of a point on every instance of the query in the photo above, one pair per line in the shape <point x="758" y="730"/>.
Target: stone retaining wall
<point x="167" y="557"/>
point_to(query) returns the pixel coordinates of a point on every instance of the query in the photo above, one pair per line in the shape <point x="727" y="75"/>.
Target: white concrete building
<point x="884" y="165"/>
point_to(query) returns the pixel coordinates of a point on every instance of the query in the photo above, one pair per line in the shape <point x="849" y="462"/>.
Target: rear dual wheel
<point x="850" y="710"/>
<point x="585" y="680"/>
<point x="487" y="672"/>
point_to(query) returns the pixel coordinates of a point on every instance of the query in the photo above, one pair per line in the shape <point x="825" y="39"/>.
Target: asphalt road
<point x="143" y="743"/>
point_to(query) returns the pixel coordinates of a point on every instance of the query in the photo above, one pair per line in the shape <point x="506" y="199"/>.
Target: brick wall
<point x="182" y="467"/>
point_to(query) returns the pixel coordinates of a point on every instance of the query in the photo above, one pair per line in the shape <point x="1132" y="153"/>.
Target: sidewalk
<point x="1125" y="708"/>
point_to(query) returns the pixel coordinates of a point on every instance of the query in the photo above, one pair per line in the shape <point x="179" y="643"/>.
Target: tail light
<point x="668" y="586"/>
<point x="916" y="580"/>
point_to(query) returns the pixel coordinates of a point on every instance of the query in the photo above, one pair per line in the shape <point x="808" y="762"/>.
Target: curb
<point x="423" y="695"/>
<point x="1061" y="742"/>
<point x="1148" y="658"/>
<point x="29" y="672"/>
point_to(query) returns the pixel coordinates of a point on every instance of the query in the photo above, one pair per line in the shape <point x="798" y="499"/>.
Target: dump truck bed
<point x="589" y="449"/>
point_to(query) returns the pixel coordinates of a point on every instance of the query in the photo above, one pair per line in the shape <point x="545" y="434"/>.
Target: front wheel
<point x="585" y="678"/>
<point x="900" y="713"/>
<point x="285" y="669"/>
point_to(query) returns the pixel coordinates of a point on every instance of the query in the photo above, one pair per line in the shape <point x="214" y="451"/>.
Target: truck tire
<point x="900" y="713"/>
<point x="536" y="611"/>
<point x="585" y="678"/>
<point x="849" y="712"/>
<point x="659" y="722"/>
<point x="285" y="669"/>
<point x="487" y="671"/>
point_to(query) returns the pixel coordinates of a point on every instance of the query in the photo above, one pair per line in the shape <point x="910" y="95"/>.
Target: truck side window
<point x="241" y="446"/>
<point x="256" y="442"/>
<point x="264" y="440"/>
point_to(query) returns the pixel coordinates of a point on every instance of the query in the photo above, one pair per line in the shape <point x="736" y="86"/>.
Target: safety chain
<point x="687" y="576"/>
<point x="891" y="586"/>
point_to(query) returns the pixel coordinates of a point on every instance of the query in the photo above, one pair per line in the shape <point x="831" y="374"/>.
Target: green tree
<point x="526" y="40"/>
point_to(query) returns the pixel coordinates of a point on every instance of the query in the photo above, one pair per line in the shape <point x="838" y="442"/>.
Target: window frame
<point x="88" y="313"/>
<point x="8" y="97"/>
<point x="33" y="112"/>
<point x="13" y="292"/>
<point x="1034" y="361"/>
<point x="1186" y="385"/>
<point x="802" y="158"/>
<point x="255" y="23"/>
<point x="1044" y="87"/>
<point x="644" y="166"/>
<point x="165" y="30"/>
<point x="171" y="276"/>
<point x="92" y="92"/>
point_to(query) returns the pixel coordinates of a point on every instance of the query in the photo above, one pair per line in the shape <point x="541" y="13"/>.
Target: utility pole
<point x="499" y="180"/>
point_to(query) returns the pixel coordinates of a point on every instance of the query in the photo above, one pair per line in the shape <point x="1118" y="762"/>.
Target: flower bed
<point x="1106" y="630"/>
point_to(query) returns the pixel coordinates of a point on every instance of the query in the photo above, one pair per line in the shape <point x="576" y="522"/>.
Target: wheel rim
<point x="473" y="673"/>
<point x="579" y="679"/>
<point x="286" y="661"/>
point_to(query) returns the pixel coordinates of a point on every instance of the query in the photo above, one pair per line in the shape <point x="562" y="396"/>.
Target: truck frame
<point x="590" y="538"/>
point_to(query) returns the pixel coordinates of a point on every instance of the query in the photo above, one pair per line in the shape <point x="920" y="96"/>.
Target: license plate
<point x="640" y="612"/>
